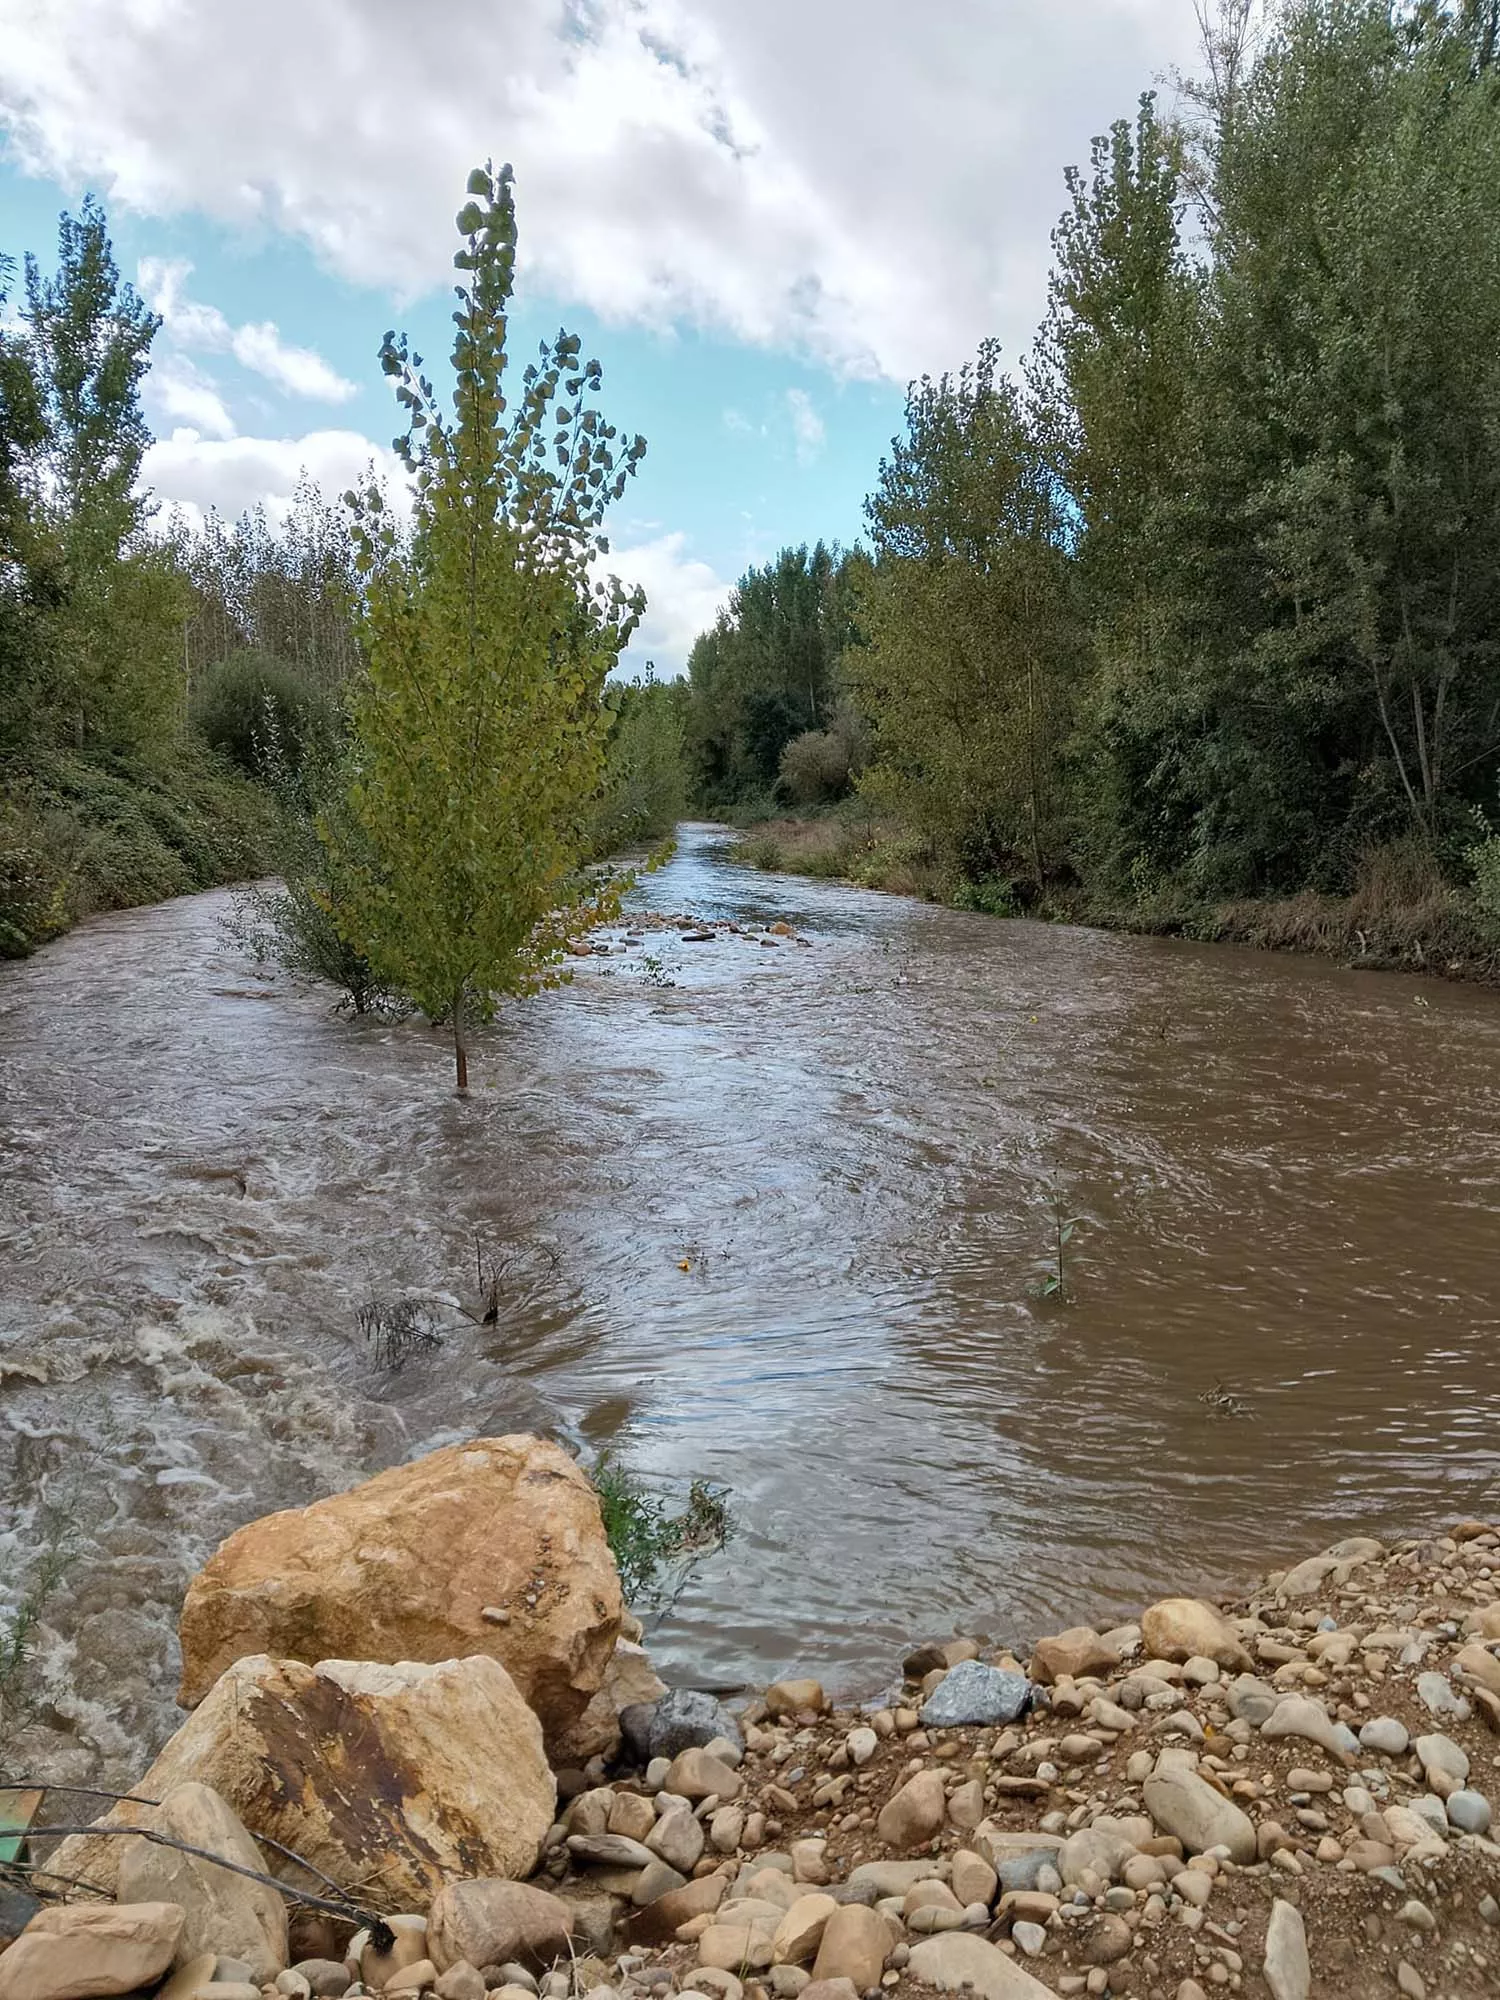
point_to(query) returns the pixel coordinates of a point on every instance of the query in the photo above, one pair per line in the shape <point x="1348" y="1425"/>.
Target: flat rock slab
<point x="958" y="1959"/>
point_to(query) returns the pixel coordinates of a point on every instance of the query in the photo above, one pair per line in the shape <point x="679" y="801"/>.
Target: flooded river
<point x="1279" y="1321"/>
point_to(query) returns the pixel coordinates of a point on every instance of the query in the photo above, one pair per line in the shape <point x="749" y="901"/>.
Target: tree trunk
<point x="460" y="1046"/>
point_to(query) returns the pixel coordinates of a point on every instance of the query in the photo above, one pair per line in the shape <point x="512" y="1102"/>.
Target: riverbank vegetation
<point x="183" y="703"/>
<point x="1189" y="618"/>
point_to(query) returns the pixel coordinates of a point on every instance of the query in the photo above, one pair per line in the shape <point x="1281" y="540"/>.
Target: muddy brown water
<point x="1284" y="1174"/>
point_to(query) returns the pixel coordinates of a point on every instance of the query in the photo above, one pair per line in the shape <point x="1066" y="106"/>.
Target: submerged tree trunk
<point x="460" y="1046"/>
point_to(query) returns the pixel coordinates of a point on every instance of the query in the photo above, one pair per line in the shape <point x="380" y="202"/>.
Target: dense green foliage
<point x="480" y="726"/>
<point x="766" y="673"/>
<point x="645" y="776"/>
<point x="107" y="796"/>
<point x="1202" y="602"/>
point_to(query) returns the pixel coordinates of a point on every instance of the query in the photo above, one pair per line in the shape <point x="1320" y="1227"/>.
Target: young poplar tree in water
<point x="481" y="729"/>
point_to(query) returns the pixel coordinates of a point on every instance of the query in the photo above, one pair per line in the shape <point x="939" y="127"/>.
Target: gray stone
<point x="1438" y="1698"/>
<point x="1431" y="1809"/>
<point x="1250" y="1700"/>
<point x="1441" y="1757"/>
<point x="683" y="1719"/>
<point x="1386" y="1735"/>
<point x="1020" y="1871"/>
<point x="1299" y="1715"/>
<point x="1288" y="1971"/>
<point x="1031" y="1938"/>
<point x="972" y="1694"/>
<point x="1469" y="1811"/>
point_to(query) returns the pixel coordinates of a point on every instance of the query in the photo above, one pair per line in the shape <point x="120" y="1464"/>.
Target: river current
<point x="779" y="1218"/>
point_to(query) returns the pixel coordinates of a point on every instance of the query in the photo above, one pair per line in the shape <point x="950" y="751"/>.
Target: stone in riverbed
<point x="1386" y="1735"/>
<point x="491" y="1922"/>
<point x="685" y="1719"/>
<point x="1441" y="1758"/>
<point x="1076" y="1653"/>
<point x="736" y="1947"/>
<point x="1438" y="1697"/>
<point x="1182" y="1803"/>
<point x="800" y="1932"/>
<point x="793" y="1697"/>
<point x="1287" y="1968"/>
<point x="855" y="1945"/>
<point x="1469" y="1812"/>
<point x="406" y="1565"/>
<point x="1250" y="1700"/>
<point x="697" y="1774"/>
<point x="1181" y="1628"/>
<point x="412" y="1805"/>
<point x="915" y="1812"/>
<point x="657" y="1922"/>
<point x="955" y="1960"/>
<point x="1478" y="1664"/>
<point x="678" y="1838"/>
<point x="87" y="1951"/>
<point x="1301" y="1716"/>
<point x="223" y="1912"/>
<point x="972" y="1695"/>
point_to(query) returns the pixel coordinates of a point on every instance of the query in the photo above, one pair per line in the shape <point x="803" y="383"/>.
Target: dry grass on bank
<point x="1403" y="914"/>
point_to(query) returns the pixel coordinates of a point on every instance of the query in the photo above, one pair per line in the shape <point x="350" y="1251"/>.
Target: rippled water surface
<point x="1284" y="1174"/>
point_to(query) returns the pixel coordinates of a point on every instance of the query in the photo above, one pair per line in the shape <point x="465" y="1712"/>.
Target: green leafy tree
<point x="974" y="641"/>
<point x="116" y="629"/>
<point x="27" y="562"/>
<point x="768" y="671"/>
<point x="645" y="779"/>
<point x="480" y="729"/>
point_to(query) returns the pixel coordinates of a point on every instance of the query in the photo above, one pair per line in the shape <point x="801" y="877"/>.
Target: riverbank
<point x="82" y="835"/>
<point x="1403" y="916"/>
<point x="1289" y="1793"/>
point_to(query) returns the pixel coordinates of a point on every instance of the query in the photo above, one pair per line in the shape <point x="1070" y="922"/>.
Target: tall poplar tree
<point x="481" y="731"/>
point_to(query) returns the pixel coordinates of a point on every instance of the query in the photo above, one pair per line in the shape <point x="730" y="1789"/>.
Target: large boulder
<point x="492" y="1547"/>
<point x="224" y="1911"/>
<point x="87" y="1951"/>
<point x="390" y="1779"/>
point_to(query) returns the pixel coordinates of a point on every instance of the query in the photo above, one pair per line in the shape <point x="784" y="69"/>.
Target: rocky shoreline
<point x="419" y="1708"/>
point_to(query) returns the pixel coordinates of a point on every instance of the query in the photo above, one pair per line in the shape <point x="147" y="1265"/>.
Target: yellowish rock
<point x="88" y="1951"/>
<point x="1184" y="1628"/>
<point x="414" y="1803"/>
<point x="405" y="1567"/>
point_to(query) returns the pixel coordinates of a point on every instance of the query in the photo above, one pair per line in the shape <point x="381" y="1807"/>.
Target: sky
<point x="764" y="217"/>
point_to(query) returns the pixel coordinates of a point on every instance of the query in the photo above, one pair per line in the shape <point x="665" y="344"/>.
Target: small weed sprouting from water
<point x="656" y="1551"/>
<point x="396" y="1330"/>
<point x="59" y="1546"/>
<point x="1053" y="1284"/>
<point x="655" y="970"/>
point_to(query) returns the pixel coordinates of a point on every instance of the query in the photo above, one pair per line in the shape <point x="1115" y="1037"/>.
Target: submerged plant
<point x="656" y="1551"/>
<point x="1053" y="1284"/>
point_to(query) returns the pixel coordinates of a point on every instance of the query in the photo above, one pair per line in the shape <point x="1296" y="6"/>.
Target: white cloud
<point x="808" y="434"/>
<point x="683" y="597"/>
<point x="192" y="473"/>
<point x="183" y="395"/>
<point x="872" y="184"/>
<point x="233" y="474"/>
<point x="258" y="347"/>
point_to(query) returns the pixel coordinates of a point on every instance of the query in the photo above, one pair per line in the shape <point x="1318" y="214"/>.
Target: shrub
<point x="262" y="715"/>
<point x="79" y="836"/>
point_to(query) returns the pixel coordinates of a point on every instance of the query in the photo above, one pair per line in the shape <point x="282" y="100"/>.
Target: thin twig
<point x="379" y="1929"/>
